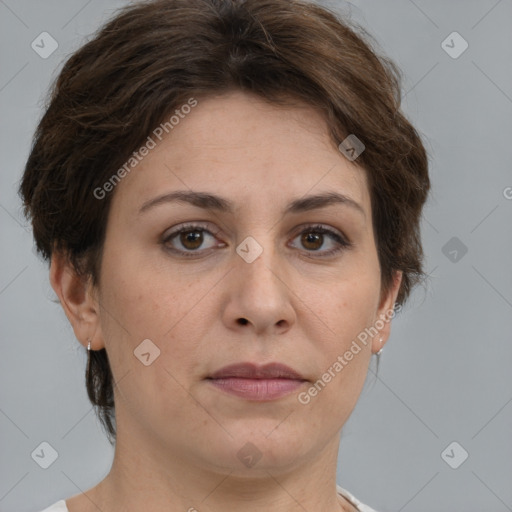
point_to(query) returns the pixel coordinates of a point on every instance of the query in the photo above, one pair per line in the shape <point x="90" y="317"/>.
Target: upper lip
<point x="254" y="371"/>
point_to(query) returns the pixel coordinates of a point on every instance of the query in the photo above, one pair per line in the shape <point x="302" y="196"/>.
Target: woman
<point x="229" y="197"/>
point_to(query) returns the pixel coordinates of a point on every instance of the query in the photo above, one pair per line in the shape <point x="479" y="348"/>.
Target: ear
<point x="77" y="298"/>
<point x="386" y="312"/>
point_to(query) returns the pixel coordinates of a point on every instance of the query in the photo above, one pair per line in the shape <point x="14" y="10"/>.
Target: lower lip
<point x="258" y="390"/>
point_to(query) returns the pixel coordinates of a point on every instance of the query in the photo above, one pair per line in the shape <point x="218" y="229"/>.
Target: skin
<point x="177" y="435"/>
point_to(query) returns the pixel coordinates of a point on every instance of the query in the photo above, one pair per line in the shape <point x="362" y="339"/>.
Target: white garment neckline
<point x="60" y="506"/>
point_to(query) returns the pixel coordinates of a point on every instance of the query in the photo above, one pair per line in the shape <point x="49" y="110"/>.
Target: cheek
<point x="141" y="302"/>
<point x="348" y="309"/>
<point x="150" y="339"/>
<point x="348" y="304"/>
<point x="344" y="358"/>
<point x="145" y="299"/>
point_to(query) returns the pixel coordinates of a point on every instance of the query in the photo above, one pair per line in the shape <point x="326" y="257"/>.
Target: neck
<point x="172" y="483"/>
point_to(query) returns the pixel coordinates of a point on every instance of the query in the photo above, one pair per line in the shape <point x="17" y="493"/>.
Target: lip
<point x="254" y="371"/>
<point x="257" y="383"/>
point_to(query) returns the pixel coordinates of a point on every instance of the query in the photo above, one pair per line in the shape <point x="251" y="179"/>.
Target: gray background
<point x="445" y="373"/>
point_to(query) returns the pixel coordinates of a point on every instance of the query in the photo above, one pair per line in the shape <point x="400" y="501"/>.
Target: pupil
<point x="310" y="238"/>
<point x="191" y="239"/>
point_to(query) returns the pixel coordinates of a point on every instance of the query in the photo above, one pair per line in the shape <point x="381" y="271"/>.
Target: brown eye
<point x="324" y="241"/>
<point x="190" y="240"/>
<point x="312" y="241"/>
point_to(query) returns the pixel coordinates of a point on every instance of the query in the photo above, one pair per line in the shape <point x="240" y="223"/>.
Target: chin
<point x="258" y="448"/>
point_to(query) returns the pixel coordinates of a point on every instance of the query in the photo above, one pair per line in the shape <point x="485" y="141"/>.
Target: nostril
<point x="243" y="321"/>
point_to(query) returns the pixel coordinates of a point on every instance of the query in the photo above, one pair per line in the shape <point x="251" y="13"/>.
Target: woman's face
<point x="252" y="282"/>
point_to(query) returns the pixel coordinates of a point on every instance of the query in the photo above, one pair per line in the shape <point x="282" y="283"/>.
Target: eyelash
<point x="342" y="242"/>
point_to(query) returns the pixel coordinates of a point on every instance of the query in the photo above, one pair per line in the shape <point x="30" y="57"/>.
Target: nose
<point x="260" y="295"/>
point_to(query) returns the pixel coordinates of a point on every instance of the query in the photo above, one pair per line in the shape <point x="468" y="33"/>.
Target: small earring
<point x="381" y="349"/>
<point x="89" y="345"/>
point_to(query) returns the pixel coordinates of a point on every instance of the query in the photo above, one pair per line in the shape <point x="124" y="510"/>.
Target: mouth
<point x="257" y="383"/>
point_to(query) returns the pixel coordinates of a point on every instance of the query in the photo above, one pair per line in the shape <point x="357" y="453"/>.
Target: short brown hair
<point x="152" y="57"/>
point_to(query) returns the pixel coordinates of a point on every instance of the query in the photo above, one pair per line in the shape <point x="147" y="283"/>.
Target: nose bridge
<point x="259" y="262"/>
<point x="260" y="294"/>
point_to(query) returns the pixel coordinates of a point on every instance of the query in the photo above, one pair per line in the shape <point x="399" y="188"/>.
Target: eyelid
<point x="189" y="226"/>
<point x="321" y="227"/>
<point x="199" y="225"/>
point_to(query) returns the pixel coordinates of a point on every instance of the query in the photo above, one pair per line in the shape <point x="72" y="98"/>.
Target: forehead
<point x="239" y="146"/>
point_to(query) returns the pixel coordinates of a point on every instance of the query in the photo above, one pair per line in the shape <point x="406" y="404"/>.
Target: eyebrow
<point x="209" y="201"/>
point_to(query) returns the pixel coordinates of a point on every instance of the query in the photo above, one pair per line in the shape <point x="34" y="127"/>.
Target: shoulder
<point x="59" y="506"/>
<point x="350" y="497"/>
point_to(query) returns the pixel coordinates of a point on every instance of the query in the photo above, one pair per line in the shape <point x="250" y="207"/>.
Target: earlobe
<point x="77" y="300"/>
